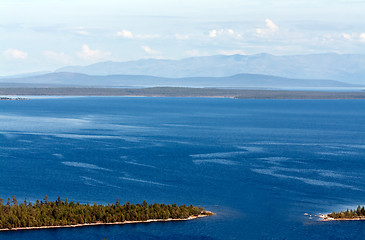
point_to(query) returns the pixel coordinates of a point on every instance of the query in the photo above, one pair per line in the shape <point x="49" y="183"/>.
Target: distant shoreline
<point x="101" y="223"/>
<point x="326" y="218"/>
<point x="183" y="92"/>
<point x="12" y="99"/>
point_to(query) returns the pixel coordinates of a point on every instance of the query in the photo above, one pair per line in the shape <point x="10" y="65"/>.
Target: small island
<point x="353" y="214"/>
<point x="55" y="214"/>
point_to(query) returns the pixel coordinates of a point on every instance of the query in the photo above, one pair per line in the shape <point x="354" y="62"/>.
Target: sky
<point x="43" y="35"/>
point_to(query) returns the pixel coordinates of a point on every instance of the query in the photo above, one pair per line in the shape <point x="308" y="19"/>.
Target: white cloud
<point x="57" y="57"/>
<point x="213" y="33"/>
<point x="346" y="36"/>
<point x="181" y="36"/>
<point x="148" y="50"/>
<point x="91" y="55"/>
<point x="129" y="35"/>
<point x="354" y="36"/>
<point x="230" y="31"/>
<point x="125" y="34"/>
<point x="15" y="54"/>
<point x="217" y="32"/>
<point x="362" y="37"/>
<point x="271" y="27"/>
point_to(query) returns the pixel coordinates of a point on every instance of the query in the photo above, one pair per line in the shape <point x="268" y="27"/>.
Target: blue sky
<point x="37" y="35"/>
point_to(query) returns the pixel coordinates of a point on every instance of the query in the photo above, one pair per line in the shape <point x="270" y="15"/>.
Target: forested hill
<point x="64" y="213"/>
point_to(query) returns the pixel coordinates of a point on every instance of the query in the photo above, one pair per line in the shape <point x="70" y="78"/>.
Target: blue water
<point x="258" y="164"/>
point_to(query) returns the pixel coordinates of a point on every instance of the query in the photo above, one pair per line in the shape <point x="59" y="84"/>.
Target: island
<point x="55" y="214"/>
<point x="353" y="214"/>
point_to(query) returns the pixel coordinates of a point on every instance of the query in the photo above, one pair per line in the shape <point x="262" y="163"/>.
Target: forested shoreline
<point x="47" y="213"/>
<point x="357" y="214"/>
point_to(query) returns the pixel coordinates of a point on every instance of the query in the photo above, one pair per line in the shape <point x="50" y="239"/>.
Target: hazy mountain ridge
<point x="349" y="68"/>
<point x="235" y="81"/>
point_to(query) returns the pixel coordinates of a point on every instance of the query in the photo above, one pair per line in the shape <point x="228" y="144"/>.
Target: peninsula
<point x="353" y="214"/>
<point x="55" y="214"/>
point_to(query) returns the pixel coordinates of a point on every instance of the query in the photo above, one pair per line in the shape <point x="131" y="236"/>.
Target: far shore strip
<point x="101" y="223"/>
<point x="181" y="92"/>
<point x="327" y="218"/>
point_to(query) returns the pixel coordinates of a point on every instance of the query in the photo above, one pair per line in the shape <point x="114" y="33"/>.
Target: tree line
<point x="353" y="213"/>
<point x="60" y="213"/>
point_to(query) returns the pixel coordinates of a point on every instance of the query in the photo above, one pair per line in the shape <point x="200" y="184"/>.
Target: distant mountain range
<point x="349" y="68"/>
<point x="235" y="71"/>
<point x="64" y="79"/>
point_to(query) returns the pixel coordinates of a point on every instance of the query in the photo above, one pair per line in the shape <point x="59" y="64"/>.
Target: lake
<point x="260" y="165"/>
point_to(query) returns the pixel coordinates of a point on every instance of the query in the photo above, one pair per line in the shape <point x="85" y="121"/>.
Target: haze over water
<point x="258" y="164"/>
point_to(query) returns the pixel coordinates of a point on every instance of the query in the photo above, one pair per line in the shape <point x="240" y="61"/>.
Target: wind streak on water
<point x="144" y="181"/>
<point x="218" y="154"/>
<point x="310" y="181"/>
<point x="94" y="182"/>
<point x="139" y="164"/>
<point x="217" y="161"/>
<point x="85" y="165"/>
